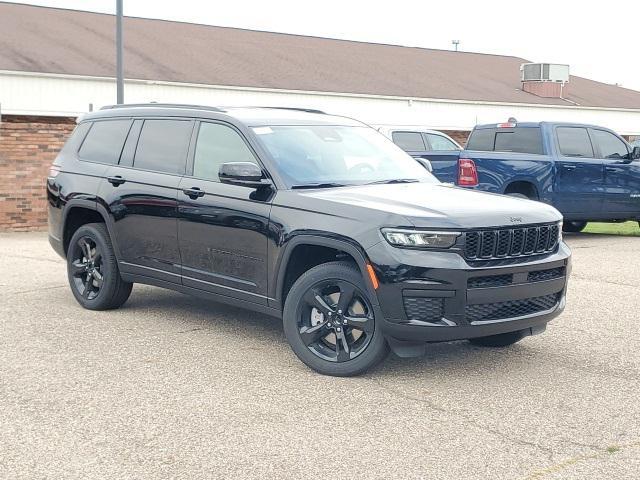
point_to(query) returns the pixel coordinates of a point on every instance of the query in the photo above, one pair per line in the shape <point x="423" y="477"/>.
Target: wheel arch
<point x="341" y="246"/>
<point x="80" y="212"/>
<point x="525" y="186"/>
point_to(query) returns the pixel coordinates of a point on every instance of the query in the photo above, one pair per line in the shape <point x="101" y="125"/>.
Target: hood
<point x="434" y="205"/>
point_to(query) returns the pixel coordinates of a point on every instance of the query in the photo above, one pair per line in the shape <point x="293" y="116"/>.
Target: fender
<point x="324" y="240"/>
<point x="97" y="207"/>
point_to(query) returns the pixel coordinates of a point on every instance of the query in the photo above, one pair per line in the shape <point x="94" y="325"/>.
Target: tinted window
<point x="609" y="145"/>
<point x="104" y="141"/>
<point x="218" y="144"/>
<point x="409" y="141"/>
<point x="482" y="139"/>
<point x="520" y="140"/>
<point x="162" y="145"/>
<point x="574" y="142"/>
<point x="438" y="142"/>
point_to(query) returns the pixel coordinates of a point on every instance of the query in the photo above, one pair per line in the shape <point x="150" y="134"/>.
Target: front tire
<point x="93" y="271"/>
<point x="499" y="341"/>
<point x="330" y="323"/>
<point x="573" y="227"/>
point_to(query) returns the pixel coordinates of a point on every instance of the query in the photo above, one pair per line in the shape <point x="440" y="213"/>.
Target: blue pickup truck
<point x="587" y="172"/>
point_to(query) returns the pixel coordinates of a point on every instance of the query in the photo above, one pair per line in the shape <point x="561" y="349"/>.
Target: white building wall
<point x="64" y="95"/>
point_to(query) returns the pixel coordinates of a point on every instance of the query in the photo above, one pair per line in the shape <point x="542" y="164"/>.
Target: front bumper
<point x="439" y="296"/>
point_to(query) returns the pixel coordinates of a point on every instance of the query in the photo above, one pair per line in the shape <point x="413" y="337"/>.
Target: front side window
<point x="574" y="142"/>
<point x="409" y="141"/>
<point x="609" y="145"/>
<point x="218" y="144"/>
<point x="345" y="155"/>
<point x="438" y="142"/>
<point x="104" y="141"/>
<point x="162" y="146"/>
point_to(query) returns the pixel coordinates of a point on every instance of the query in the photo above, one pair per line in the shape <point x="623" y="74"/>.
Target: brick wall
<point x="28" y="145"/>
<point x="459" y="136"/>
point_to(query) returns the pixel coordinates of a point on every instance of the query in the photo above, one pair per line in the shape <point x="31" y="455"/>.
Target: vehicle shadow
<point x="458" y="358"/>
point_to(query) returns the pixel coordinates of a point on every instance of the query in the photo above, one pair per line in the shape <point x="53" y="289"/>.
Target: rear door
<point x="621" y="175"/>
<point x="579" y="181"/>
<point x="223" y="229"/>
<point x="141" y="193"/>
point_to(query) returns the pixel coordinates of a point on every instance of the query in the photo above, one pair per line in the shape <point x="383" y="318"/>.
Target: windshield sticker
<point x="262" y="130"/>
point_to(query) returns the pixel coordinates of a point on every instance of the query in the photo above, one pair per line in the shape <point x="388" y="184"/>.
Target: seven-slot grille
<point x="511" y="242"/>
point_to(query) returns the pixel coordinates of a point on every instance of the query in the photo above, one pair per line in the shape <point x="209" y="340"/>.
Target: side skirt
<point x="256" y="307"/>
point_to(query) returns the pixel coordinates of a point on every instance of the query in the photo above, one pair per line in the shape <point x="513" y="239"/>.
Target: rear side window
<point x="438" y="142"/>
<point x="518" y="140"/>
<point x="482" y="139"/>
<point x="574" y="142"/>
<point x="104" y="141"/>
<point x="162" y="146"/>
<point x="609" y="145"/>
<point x="218" y="144"/>
<point x="409" y="141"/>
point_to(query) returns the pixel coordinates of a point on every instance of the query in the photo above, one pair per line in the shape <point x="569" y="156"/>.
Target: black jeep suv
<point x="317" y="219"/>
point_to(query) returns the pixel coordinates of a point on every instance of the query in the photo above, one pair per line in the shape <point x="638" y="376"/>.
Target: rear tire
<point x="330" y="323"/>
<point x="499" y="341"/>
<point x="573" y="227"/>
<point x="92" y="269"/>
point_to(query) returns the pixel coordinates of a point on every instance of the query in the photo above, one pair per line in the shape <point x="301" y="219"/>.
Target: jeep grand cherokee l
<point x="316" y="219"/>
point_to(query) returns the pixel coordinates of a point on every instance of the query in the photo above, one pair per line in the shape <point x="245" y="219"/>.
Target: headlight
<point x="419" y="238"/>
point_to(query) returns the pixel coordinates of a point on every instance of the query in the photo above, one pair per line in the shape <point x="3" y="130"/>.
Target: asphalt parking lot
<point x="175" y="387"/>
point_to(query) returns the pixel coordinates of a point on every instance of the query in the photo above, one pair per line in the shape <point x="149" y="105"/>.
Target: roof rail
<point x="297" y="109"/>
<point x="162" y="105"/>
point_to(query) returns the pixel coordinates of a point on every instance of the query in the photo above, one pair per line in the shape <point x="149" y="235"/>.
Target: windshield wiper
<point x="318" y="185"/>
<point x="394" y="180"/>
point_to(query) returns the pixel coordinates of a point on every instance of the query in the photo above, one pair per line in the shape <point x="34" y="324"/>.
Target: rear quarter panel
<point x="496" y="171"/>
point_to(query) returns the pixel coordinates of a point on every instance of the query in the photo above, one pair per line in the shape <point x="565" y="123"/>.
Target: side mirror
<point x="635" y="153"/>
<point x="244" y="174"/>
<point x="425" y="163"/>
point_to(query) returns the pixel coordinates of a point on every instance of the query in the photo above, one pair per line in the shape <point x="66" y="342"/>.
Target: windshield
<point x="321" y="155"/>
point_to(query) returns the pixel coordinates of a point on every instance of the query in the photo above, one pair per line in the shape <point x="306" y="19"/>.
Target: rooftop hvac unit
<point x="544" y="72"/>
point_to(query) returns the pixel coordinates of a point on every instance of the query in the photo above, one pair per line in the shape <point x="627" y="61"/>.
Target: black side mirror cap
<point x="244" y="174"/>
<point x="635" y="153"/>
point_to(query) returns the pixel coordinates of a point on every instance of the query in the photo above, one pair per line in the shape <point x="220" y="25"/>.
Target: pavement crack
<point x="557" y="467"/>
<point x="601" y="280"/>
<point x="190" y="330"/>
<point x="468" y="419"/>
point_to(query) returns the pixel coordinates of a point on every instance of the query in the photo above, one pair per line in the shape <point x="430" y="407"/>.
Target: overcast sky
<point x="599" y="43"/>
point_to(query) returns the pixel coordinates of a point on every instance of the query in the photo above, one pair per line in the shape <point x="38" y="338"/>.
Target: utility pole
<point x="119" y="67"/>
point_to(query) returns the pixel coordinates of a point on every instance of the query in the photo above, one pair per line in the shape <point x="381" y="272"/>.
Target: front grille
<point x="510" y="242"/>
<point x="542" y="275"/>
<point x="490" y="281"/>
<point x="425" y="309"/>
<point x="510" y="309"/>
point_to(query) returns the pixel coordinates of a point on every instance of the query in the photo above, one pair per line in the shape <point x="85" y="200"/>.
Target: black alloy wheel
<point x="335" y="320"/>
<point x="86" y="267"/>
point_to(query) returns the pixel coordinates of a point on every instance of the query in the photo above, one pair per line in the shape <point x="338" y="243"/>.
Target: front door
<point x="579" y="181"/>
<point x="222" y="228"/>
<point x="622" y="176"/>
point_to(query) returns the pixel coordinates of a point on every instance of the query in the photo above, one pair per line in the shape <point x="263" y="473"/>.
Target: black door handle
<point x="193" y="192"/>
<point x="116" y="180"/>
